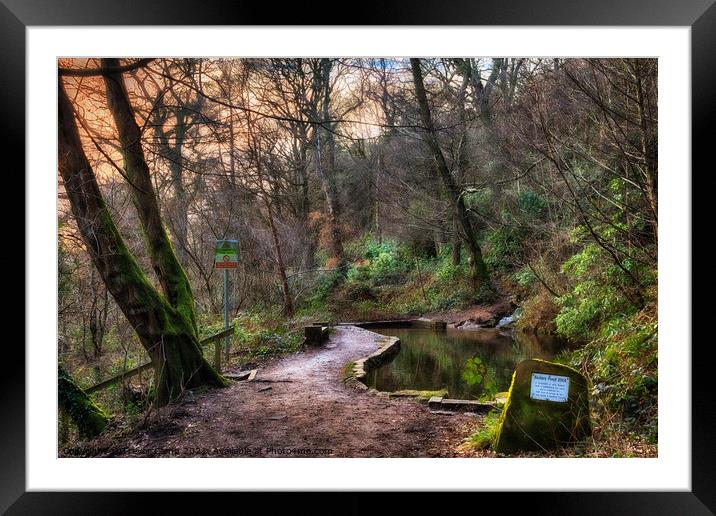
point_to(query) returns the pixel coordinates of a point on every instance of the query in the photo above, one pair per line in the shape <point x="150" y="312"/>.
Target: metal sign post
<point x="226" y="313"/>
<point x="226" y="256"/>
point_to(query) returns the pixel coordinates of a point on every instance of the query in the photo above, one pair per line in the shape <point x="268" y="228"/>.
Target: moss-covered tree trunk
<point x="166" y="331"/>
<point x="89" y="418"/>
<point x="165" y="263"/>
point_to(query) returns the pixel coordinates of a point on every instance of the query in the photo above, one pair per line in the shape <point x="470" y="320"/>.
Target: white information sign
<point x="549" y="387"/>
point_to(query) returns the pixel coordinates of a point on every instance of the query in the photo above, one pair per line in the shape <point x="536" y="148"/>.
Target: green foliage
<point x="531" y="204"/>
<point x="622" y="365"/>
<point x="263" y="333"/>
<point x="384" y="268"/>
<point x="474" y="371"/>
<point x="64" y="271"/>
<point x="358" y="274"/>
<point x="524" y="277"/>
<point x="481" y="200"/>
<point x="478" y="372"/>
<point x="374" y="249"/>
<point x="582" y="262"/>
<point x="447" y="272"/>
<point x="505" y="246"/>
<point x="487" y="432"/>
<point x="326" y="283"/>
<point x="599" y="293"/>
<point x="451" y="286"/>
<point x="587" y="307"/>
<point x="386" y="264"/>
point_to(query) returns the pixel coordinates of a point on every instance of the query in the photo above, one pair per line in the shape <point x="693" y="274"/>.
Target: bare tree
<point x="165" y="323"/>
<point x="478" y="269"/>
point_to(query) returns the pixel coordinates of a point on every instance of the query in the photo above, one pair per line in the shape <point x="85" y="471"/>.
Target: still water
<point x="470" y="364"/>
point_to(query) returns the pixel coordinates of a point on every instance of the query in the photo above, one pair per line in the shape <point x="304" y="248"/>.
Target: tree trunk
<point x="648" y="148"/>
<point x="304" y="209"/>
<point x="89" y="418"/>
<point x="181" y="207"/>
<point x="98" y="315"/>
<point x="478" y="269"/>
<point x="164" y="261"/>
<point x="166" y="332"/>
<point x="374" y="200"/>
<point x="287" y="297"/>
<point x="456" y="244"/>
<point x="325" y="145"/>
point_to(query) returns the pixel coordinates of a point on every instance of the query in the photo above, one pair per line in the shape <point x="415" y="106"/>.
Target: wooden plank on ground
<point x="243" y="375"/>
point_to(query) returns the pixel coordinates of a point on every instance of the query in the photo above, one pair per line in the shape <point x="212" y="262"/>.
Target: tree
<point x="164" y="322"/>
<point x="325" y="151"/>
<point x="478" y="269"/>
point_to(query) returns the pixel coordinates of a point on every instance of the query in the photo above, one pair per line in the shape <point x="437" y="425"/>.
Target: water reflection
<point x="469" y="364"/>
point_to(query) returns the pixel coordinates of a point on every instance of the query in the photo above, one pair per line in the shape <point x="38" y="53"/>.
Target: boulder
<point x="489" y="323"/>
<point x="509" y="321"/>
<point x="469" y="325"/>
<point x="547" y="407"/>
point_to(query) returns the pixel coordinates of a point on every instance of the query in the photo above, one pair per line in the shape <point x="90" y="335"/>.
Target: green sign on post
<point x="226" y="256"/>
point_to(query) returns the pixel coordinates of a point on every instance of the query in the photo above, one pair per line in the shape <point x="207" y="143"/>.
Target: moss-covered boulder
<point x="547" y="407"/>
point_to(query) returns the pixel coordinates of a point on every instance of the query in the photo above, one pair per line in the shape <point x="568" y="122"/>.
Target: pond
<point x="470" y="364"/>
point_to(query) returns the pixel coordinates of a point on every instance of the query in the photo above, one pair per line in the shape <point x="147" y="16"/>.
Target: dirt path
<point x="297" y="406"/>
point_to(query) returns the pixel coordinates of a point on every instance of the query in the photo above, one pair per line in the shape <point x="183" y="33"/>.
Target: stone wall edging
<point x="382" y="355"/>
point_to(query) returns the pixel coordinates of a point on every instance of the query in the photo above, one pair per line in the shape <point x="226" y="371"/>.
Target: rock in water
<point x="547" y="407"/>
<point x="510" y="320"/>
<point x="505" y="321"/>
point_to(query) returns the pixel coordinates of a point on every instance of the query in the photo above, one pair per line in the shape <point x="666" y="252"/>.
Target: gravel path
<point x="296" y="406"/>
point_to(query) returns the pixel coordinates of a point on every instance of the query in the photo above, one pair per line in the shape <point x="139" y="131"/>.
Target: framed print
<point x="424" y="249"/>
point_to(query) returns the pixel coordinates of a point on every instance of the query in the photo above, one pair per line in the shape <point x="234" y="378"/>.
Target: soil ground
<point x="296" y="406"/>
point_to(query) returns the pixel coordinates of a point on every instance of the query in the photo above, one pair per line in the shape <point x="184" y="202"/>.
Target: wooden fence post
<point x="217" y="355"/>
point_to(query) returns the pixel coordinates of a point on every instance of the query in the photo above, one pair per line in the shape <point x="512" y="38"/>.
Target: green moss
<point x="179" y="361"/>
<point x="422" y="395"/>
<point x="506" y="406"/>
<point x="528" y="424"/>
<point x="347" y="371"/>
<point x="89" y="417"/>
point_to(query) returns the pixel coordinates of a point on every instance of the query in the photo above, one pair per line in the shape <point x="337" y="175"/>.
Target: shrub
<point x="325" y="284"/>
<point x="524" y="277"/>
<point x="622" y="366"/>
<point x="599" y="294"/>
<point x="446" y="272"/>
<point x="538" y="314"/>
<point x="531" y="204"/>
<point x="355" y="291"/>
<point x="265" y="333"/>
<point x="505" y="246"/>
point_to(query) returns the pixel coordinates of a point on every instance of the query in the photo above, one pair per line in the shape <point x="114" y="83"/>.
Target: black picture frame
<point x="700" y="15"/>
